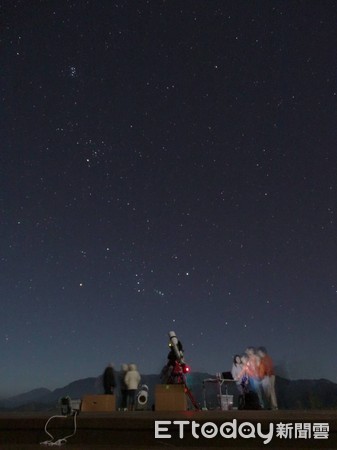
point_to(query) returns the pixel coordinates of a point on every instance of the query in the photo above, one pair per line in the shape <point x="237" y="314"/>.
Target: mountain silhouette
<point x="291" y="394"/>
<point x="22" y="399"/>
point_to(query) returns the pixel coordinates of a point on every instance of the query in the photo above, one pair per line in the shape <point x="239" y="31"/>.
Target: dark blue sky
<point x="167" y="165"/>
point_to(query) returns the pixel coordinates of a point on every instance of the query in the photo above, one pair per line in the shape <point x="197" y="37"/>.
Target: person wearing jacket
<point x="132" y="380"/>
<point x="238" y="373"/>
<point x="123" y="388"/>
<point x="109" y="380"/>
<point x="267" y="375"/>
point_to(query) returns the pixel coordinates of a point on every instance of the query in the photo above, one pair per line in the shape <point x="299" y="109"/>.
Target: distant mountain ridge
<point x="25" y="398"/>
<point x="292" y="394"/>
<point x="49" y="398"/>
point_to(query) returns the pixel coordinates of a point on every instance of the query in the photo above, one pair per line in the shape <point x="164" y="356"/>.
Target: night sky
<point x="167" y="165"/>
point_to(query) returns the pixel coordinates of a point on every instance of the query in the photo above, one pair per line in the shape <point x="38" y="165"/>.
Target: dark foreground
<point x="136" y="430"/>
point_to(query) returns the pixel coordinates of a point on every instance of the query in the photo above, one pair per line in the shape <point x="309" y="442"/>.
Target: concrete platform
<point x="136" y="430"/>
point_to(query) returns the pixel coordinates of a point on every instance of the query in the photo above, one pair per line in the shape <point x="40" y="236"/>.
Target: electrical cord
<point x="60" y="441"/>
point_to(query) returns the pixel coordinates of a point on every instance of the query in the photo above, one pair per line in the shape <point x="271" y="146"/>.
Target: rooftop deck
<point x="136" y="430"/>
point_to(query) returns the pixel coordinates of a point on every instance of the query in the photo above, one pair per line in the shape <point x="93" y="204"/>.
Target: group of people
<point x="254" y="371"/>
<point x="129" y="379"/>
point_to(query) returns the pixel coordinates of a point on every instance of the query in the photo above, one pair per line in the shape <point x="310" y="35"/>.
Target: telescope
<point x="176" y="368"/>
<point x="177" y="349"/>
<point x="143" y="395"/>
<point x="175" y="344"/>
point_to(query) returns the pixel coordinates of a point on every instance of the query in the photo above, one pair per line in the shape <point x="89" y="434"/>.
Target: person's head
<point x="109" y="367"/>
<point x="124" y="367"/>
<point x="244" y="358"/>
<point x="262" y="351"/>
<point x="132" y="367"/>
<point x="250" y="351"/>
<point x="237" y="359"/>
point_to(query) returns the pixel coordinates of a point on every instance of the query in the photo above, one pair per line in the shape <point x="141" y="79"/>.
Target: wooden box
<point x="170" y="397"/>
<point x="98" y="403"/>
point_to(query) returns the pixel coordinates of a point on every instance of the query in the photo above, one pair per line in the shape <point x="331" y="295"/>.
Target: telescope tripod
<point x="177" y="376"/>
